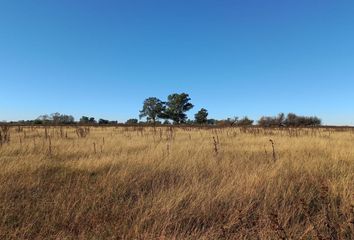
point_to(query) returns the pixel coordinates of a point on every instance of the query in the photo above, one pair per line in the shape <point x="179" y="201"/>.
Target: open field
<point x="176" y="183"/>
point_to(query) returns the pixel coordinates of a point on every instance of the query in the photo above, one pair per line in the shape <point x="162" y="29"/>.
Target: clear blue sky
<point x="235" y="58"/>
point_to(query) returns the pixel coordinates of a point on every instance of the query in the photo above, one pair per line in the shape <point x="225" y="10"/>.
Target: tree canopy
<point x="201" y="117"/>
<point x="152" y="109"/>
<point x="176" y="107"/>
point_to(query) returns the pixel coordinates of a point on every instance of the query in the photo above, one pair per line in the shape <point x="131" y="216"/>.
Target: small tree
<point x="277" y="121"/>
<point x="152" y="109"/>
<point x="292" y="120"/>
<point x="103" y="121"/>
<point x="43" y="119"/>
<point x="245" y="122"/>
<point x="84" y="119"/>
<point x="280" y="120"/>
<point x="201" y="117"/>
<point x="92" y="120"/>
<point x="212" y="121"/>
<point x="132" y="121"/>
<point x="55" y="117"/>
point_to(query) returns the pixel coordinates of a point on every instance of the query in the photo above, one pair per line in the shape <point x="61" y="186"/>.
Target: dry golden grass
<point x="137" y="183"/>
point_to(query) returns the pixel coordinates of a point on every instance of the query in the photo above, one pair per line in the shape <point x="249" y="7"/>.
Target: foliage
<point x="176" y="107"/>
<point x="55" y="118"/>
<point x="86" y="120"/>
<point x="292" y="120"/>
<point x="152" y="109"/>
<point x="132" y="121"/>
<point x="244" y="122"/>
<point x="201" y="117"/>
<point x="212" y="121"/>
<point x="103" y="121"/>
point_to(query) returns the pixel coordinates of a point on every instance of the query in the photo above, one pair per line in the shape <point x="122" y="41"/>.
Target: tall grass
<point x="164" y="183"/>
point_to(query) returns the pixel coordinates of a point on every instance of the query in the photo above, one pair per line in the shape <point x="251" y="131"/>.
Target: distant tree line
<point x="173" y="111"/>
<point x="291" y="120"/>
<point x="54" y="118"/>
<point x="92" y="120"/>
<point x="176" y="106"/>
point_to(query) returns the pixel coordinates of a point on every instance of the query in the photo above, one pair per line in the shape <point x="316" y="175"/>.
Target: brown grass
<point x="171" y="183"/>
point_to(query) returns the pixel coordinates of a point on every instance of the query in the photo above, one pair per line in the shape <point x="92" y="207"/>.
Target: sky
<point x="233" y="57"/>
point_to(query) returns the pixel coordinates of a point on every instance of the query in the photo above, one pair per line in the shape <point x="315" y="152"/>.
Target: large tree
<point x="201" y="117"/>
<point x="176" y="107"/>
<point x="152" y="109"/>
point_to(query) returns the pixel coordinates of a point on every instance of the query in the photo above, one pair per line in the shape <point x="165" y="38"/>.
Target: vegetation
<point x="103" y="121"/>
<point x="174" y="110"/>
<point x="153" y="109"/>
<point x="201" y="117"/>
<point x="69" y="182"/>
<point x="176" y="107"/>
<point x="87" y="120"/>
<point x="292" y="120"/>
<point x="132" y="121"/>
<point x="55" y="118"/>
<point x="244" y="122"/>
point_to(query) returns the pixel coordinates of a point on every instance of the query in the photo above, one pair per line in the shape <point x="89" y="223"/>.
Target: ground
<point x="176" y="183"/>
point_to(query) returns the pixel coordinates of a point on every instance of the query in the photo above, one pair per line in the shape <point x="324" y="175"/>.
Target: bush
<point x="132" y="121"/>
<point x="103" y="121"/>
<point x="292" y="120"/>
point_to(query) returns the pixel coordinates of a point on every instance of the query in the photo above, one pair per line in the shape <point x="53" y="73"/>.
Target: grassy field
<point x="176" y="183"/>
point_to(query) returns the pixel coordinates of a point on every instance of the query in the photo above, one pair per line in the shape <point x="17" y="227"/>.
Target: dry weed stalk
<point x="45" y="132"/>
<point x="4" y="134"/>
<point x="61" y="132"/>
<point x="49" y="145"/>
<point x="19" y="129"/>
<point x="216" y="151"/>
<point x="161" y="133"/>
<point x="170" y="133"/>
<point x="168" y="149"/>
<point x="273" y="149"/>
